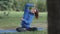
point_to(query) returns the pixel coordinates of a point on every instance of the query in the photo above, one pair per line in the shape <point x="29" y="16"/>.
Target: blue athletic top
<point x="26" y="10"/>
<point x="28" y="16"/>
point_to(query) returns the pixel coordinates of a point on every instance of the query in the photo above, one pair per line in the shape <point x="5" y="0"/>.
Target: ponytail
<point x="36" y="14"/>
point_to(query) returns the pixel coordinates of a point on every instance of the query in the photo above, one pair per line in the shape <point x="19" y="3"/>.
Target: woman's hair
<point x="36" y="14"/>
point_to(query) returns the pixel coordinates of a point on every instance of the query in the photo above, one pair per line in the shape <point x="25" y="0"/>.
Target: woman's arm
<point x="28" y="5"/>
<point x="26" y="10"/>
<point x="24" y="20"/>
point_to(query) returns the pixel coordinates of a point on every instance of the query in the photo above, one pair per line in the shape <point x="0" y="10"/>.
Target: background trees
<point x="18" y="5"/>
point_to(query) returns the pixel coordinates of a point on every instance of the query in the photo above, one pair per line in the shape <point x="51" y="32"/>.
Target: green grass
<point x="13" y="20"/>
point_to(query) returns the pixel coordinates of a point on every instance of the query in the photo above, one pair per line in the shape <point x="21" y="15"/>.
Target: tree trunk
<point x="53" y="16"/>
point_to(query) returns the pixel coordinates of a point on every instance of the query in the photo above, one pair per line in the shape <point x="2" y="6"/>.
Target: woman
<point x="28" y="16"/>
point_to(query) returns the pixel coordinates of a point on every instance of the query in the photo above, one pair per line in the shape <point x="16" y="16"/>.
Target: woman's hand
<point x="22" y="19"/>
<point x="33" y="10"/>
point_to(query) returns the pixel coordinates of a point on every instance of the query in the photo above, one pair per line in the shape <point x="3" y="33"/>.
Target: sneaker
<point x="20" y="29"/>
<point x="32" y="29"/>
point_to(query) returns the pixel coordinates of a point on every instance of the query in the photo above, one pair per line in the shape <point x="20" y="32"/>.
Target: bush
<point x="18" y="5"/>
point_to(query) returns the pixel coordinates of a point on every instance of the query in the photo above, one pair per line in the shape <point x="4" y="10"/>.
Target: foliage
<point x="18" y="5"/>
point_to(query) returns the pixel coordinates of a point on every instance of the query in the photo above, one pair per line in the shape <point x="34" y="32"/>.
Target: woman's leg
<point x="25" y="25"/>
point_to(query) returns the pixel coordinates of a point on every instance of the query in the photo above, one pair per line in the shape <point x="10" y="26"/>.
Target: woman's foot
<point x="20" y="29"/>
<point x="32" y="29"/>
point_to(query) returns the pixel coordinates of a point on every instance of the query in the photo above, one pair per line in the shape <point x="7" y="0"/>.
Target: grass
<point x="13" y="20"/>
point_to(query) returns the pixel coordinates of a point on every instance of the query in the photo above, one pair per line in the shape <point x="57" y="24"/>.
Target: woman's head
<point x="35" y="11"/>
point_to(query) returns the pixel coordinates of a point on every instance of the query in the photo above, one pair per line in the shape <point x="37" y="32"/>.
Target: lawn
<point x="13" y="20"/>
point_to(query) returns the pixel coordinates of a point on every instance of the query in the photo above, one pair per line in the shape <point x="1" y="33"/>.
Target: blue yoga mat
<point x="12" y="31"/>
<point x="7" y="31"/>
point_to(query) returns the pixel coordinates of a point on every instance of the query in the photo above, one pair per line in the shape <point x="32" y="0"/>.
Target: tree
<point x="53" y="7"/>
<point x="18" y="5"/>
<point x="6" y="4"/>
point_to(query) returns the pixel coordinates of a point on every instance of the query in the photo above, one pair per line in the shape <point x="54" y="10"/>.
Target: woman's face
<point x="33" y="10"/>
